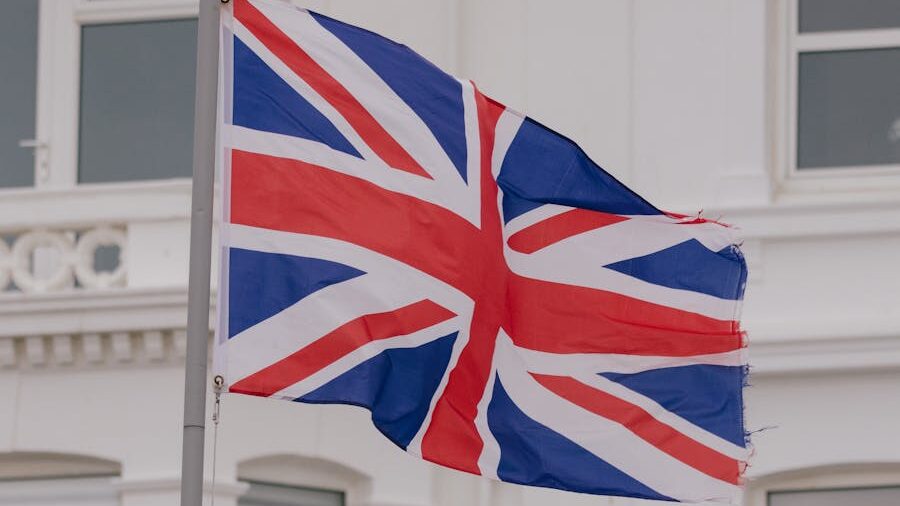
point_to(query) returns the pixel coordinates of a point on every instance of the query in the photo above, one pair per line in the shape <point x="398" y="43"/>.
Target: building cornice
<point x="92" y="204"/>
<point x="78" y="329"/>
<point x="800" y="217"/>
<point x="85" y="311"/>
<point x="870" y="353"/>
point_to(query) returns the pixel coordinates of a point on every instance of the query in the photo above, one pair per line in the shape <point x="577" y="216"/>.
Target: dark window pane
<point x="847" y="497"/>
<point x="849" y="108"/>
<point x="834" y="15"/>
<point x="267" y="494"/>
<point x="18" y="59"/>
<point x="137" y="101"/>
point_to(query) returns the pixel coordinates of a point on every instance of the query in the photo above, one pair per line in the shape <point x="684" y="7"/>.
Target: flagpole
<point x="201" y="248"/>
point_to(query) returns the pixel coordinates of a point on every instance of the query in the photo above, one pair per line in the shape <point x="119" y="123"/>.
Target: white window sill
<point x="23" y="208"/>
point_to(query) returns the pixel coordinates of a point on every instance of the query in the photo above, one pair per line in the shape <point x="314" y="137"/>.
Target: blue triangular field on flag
<point x="396" y="386"/>
<point x="432" y="93"/>
<point x="263" y="101"/>
<point x="689" y="266"/>
<point x="706" y="395"/>
<point x="536" y="455"/>
<point x="560" y="172"/>
<point x="264" y="284"/>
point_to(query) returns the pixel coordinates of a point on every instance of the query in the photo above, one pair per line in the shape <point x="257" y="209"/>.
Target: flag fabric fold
<point x="394" y="239"/>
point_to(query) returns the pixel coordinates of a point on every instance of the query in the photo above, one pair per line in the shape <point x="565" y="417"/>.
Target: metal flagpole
<point x="201" y="247"/>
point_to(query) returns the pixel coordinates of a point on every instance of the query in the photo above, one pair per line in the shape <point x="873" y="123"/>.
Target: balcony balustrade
<point x="94" y="275"/>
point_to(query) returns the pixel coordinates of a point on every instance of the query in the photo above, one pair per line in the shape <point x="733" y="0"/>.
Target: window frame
<point x="316" y="473"/>
<point x="59" y="80"/>
<point x="57" y="478"/>
<point x="790" y="43"/>
<point x="72" y="490"/>
<point x="770" y="492"/>
<point x="261" y="490"/>
<point x="822" y="478"/>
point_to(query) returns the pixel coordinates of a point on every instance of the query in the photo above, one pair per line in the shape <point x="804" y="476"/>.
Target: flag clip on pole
<point x="201" y="247"/>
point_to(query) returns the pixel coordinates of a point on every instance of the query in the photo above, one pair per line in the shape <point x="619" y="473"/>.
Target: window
<point x="856" y="484"/>
<point x="837" y="15"/>
<point x="18" y="59"/>
<point x="848" y="108"/>
<point x="874" y="496"/>
<point x="56" y="479"/>
<point x="137" y="100"/>
<point x="268" y="494"/>
<point x="59" y="492"/>
<point x="294" y="480"/>
<point x="96" y="92"/>
<point x="842" y="107"/>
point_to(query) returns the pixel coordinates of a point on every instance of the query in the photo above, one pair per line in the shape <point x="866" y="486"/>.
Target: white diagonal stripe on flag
<point x="369" y="89"/>
<point x="607" y="439"/>
<point x="363" y="353"/>
<point x="562" y="266"/>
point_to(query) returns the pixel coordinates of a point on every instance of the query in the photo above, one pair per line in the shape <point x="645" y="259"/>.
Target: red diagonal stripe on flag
<point x="340" y="342"/>
<point x="295" y="196"/>
<point x="299" y="61"/>
<point x="644" y="425"/>
<point x="559" y="227"/>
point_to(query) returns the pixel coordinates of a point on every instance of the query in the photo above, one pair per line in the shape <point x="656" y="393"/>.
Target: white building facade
<point x="780" y="116"/>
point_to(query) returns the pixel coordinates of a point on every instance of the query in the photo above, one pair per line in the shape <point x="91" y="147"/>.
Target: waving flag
<point x="394" y="239"/>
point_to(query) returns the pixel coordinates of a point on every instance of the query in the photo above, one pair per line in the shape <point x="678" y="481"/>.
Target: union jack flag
<point x="394" y="239"/>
